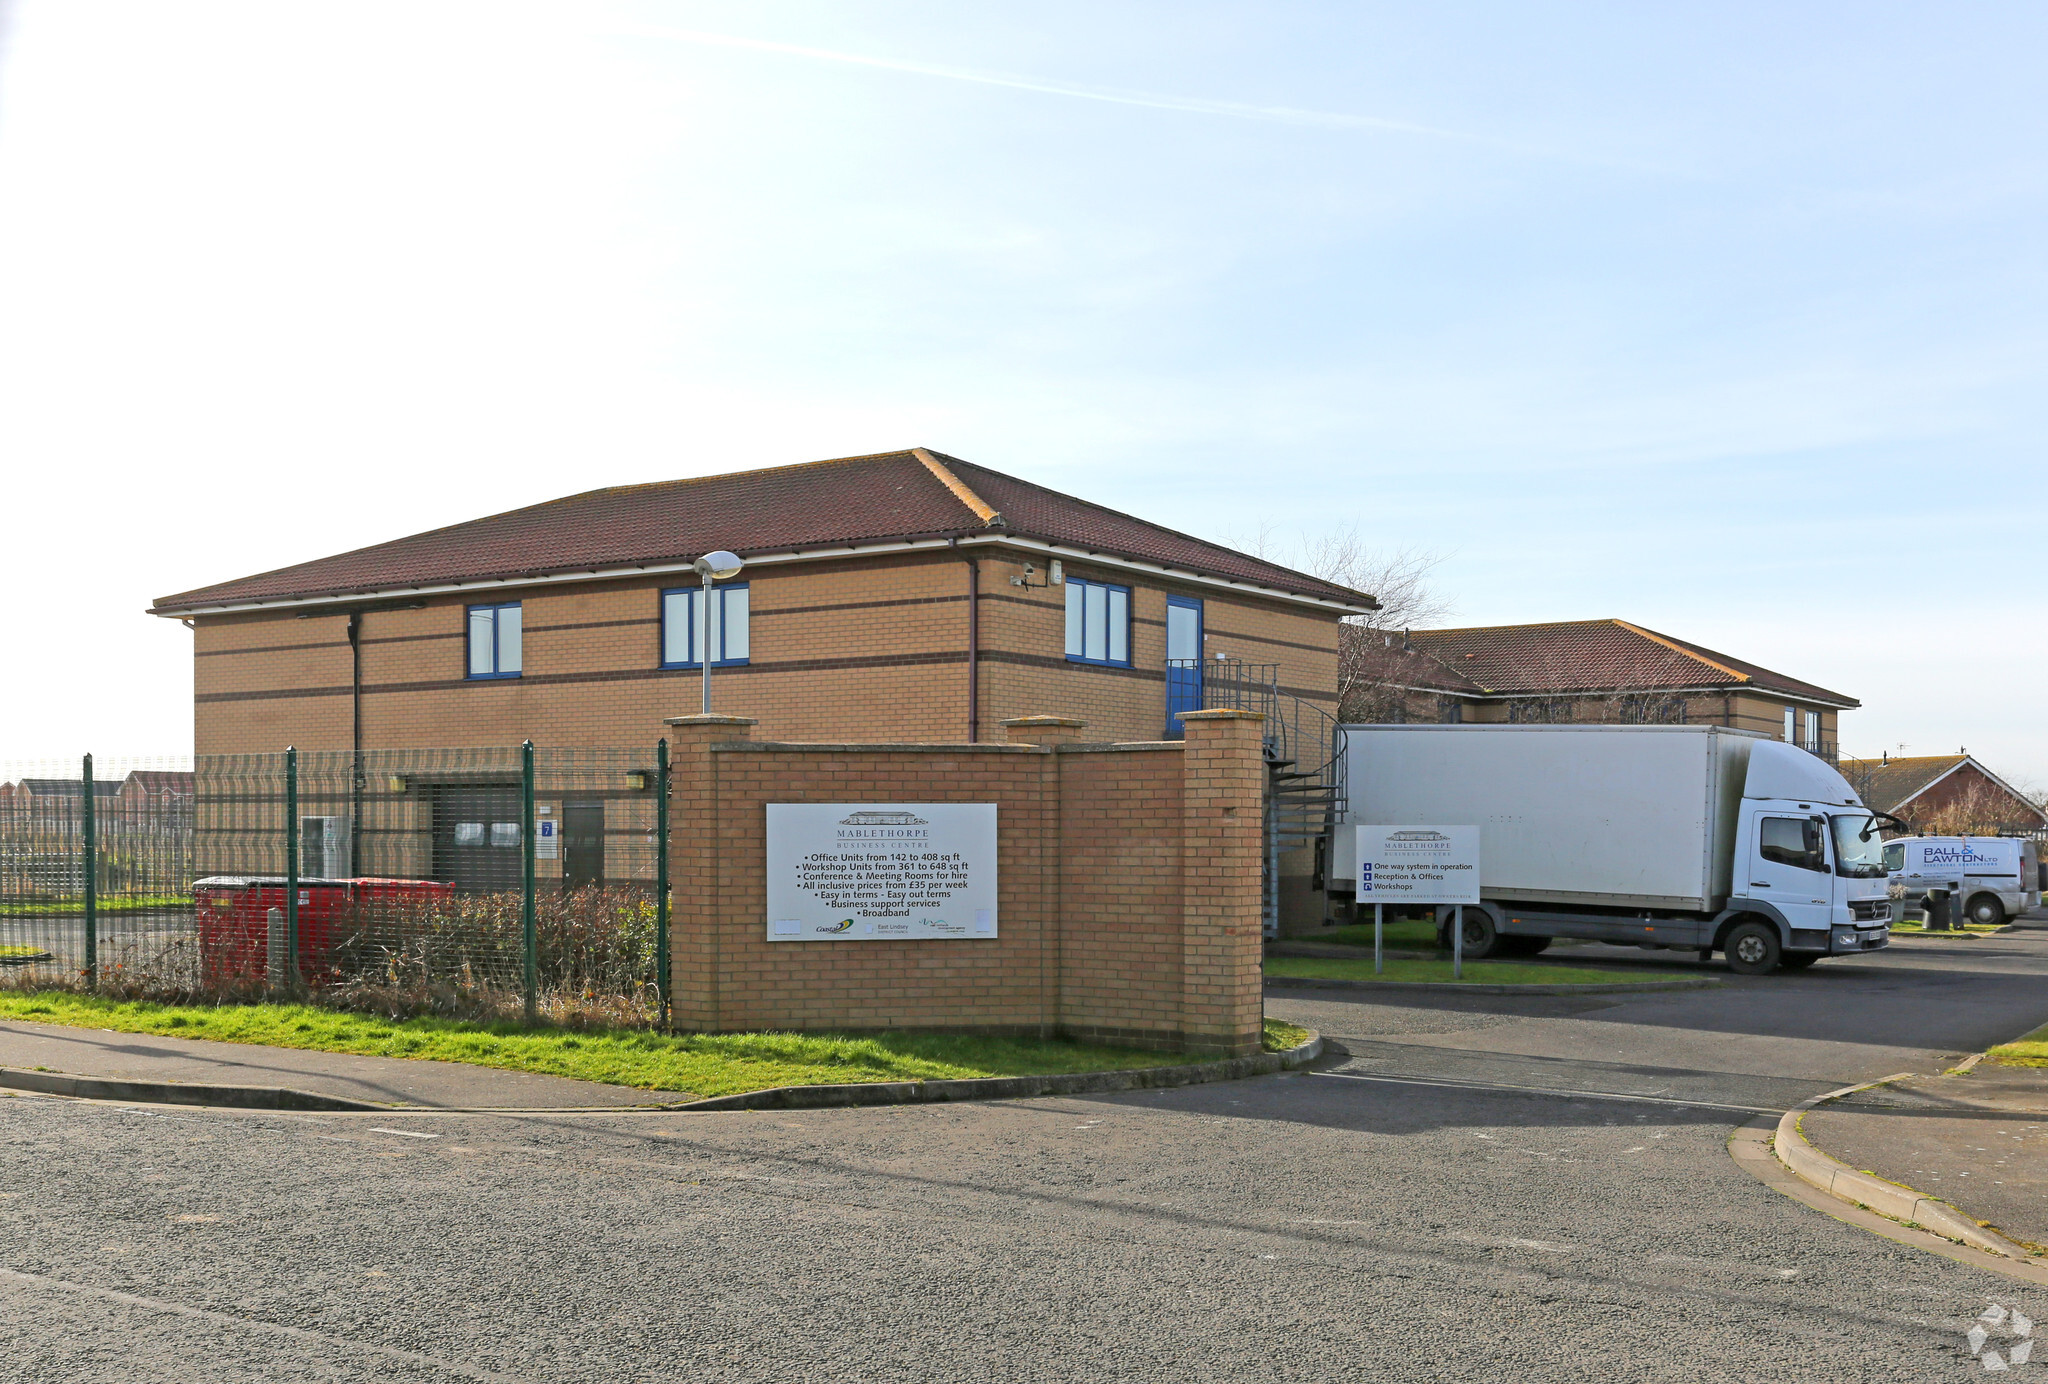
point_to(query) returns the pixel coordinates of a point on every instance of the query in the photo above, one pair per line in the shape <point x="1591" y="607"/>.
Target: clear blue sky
<point x="1724" y="319"/>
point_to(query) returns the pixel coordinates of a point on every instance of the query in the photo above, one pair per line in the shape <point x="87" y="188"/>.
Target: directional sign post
<point x="1432" y="865"/>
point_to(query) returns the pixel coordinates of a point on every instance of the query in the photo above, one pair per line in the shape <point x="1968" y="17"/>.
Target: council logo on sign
<point x="1424" y="840"/>
<point x="882" y="819"/>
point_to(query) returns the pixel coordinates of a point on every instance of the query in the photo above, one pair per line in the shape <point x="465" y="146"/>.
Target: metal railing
<point x="496" y="882"/>
<point x="1296" y="730"/>
<point x="1304" y="748"/>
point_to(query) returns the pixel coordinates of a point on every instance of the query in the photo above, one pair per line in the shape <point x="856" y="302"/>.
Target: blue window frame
<point x="683" y="627"/>
<point x="494" y="640"/>
<point x="1098" y="623"/>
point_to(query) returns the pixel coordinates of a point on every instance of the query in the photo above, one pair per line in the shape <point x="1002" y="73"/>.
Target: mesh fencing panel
<point x="135" y="828"/>
<point x="394" y="880"/>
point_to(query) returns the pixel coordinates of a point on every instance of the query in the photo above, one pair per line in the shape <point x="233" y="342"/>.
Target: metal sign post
<point x="1379" y="930"/>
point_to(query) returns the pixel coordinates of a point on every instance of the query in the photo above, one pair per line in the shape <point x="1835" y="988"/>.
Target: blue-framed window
<point x="1098" y="622"/>
<point x="494" y="636"/>
<point x="683" y="626"/>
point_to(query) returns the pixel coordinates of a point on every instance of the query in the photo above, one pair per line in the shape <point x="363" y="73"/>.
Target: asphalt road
<point x="1458" y="1194"/>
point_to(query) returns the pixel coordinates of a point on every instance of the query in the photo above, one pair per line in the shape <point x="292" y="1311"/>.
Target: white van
<point x="1997" y="876"/>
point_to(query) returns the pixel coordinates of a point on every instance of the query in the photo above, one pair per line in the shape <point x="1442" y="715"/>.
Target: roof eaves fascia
<point x="1702" y="689"/>
<point x="1146" y="565"/>
<point x="339" y="600"/>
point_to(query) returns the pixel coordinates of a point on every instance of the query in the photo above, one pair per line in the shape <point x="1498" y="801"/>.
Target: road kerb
<point x="1458" y="987"/>
<point x="1892" y="1199"/>
<point x="855" y="1093"/>
<point x="176" y="1092"/>
<point x="1750" y="1146"/>
<point x="1014" y="1087"/>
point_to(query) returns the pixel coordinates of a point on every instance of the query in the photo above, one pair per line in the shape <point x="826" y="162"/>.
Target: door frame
<point x="1174" y="730"/>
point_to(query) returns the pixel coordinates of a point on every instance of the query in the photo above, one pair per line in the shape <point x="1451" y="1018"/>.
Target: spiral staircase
<point x="1304" y="749"/>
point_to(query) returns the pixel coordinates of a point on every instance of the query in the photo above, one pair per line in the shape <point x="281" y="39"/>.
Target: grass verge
<point x="2030" y="1051"/>
<point x="1406" y="933"/>
<point x="1476" y="972"/>
<point x="118" y="903"/>
<point x="1921" y="930"/>
<point x="1282" y="1036"/>
<point x="717" y="1064"/>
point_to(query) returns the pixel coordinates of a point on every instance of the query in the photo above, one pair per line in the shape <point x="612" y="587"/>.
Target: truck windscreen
<point x="1859" y="850"/>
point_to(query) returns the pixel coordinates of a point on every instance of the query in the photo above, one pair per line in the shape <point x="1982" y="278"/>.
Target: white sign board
<point x="1418" y="864"/>
<point x="547" y="838"/>
<point x="873" y="872"/>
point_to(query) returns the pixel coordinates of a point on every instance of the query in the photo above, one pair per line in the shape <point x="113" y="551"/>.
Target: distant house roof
<point x="1581" y="656"/>
<point x="67" y="788"/>
<point x="891" y="497"/>
<point x="1890" y="785"/>
<point x="160" y="781"/>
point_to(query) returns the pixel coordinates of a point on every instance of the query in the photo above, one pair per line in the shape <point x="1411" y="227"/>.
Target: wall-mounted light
<point x="395" y="783"/>
<point x="638" y="779"/>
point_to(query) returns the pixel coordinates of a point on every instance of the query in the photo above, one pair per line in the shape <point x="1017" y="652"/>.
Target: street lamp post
<point x="718" y="566"/>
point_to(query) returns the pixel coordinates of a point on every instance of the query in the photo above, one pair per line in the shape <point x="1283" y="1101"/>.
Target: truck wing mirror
<point x="1901" y="823"/>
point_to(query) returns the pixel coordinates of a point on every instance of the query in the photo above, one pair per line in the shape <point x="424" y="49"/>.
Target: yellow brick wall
<point x="874" y="648"/>
<point x="1128" y="891"/>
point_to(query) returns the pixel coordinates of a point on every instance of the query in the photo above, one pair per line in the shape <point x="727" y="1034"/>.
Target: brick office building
<point x="903" y="596"/>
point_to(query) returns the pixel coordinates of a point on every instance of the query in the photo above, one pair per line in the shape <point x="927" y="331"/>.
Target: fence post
<point x="527" y="928"/>
<point x="291" y="868"/>
<point x="89" y="826"/>
<point x="661" y="876"/>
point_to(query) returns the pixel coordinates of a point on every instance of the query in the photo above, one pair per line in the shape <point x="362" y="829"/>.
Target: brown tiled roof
<point x="889" y="497"/>
<point x="1889" y="784"/>
<point x="1380" y="658"/>
<point x="1886" y="783"/>
<point x="1600" y="656"/>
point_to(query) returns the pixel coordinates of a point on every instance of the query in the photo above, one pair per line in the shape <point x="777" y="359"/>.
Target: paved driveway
<point x="1448" y="1199"/>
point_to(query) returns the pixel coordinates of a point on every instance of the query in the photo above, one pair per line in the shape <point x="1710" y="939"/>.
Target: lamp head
<point x="718" y="566"/>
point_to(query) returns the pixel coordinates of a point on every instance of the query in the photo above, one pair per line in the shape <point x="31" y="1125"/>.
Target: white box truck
<point x="1995" y="877"/>
<point x="1697" y="838"/>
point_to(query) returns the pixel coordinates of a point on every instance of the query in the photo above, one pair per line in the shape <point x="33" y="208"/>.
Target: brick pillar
<point x="1044" y="730"/>
<point x="693" y="865"/>
<point x="1051" y="732"/>
<point x="1223" y="799"/>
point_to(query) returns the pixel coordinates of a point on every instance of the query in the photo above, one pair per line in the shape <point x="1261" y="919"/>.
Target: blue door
<point x="1183" y="660"/>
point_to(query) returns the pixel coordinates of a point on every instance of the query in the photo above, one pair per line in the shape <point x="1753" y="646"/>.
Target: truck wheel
<point x="1986" y="910"/>
<point x="1752" y="949"/>
<point x="1481" y="938"/>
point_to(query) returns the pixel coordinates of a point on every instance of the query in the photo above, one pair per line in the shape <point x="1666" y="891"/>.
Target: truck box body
<point x="1612" y="816"/>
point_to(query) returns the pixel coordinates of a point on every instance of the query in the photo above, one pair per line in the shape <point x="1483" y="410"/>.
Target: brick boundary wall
<point x="1128" y="906"/>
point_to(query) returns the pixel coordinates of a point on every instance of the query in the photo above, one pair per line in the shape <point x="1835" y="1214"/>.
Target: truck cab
<point x="1808" y="868"/>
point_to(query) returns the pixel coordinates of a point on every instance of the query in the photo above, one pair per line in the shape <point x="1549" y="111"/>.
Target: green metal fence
<point x="501" y="882"/>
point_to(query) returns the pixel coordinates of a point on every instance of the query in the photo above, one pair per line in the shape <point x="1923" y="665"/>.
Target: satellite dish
<point x="718" y="566"/>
